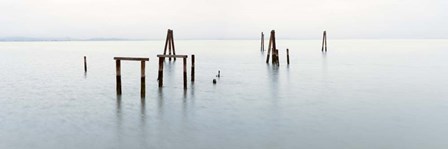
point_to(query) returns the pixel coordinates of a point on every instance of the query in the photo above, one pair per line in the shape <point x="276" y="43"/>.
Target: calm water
<point x="361" y="94"/>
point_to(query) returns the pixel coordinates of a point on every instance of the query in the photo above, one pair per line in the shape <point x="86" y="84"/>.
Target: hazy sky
<point x="224" y="19"/>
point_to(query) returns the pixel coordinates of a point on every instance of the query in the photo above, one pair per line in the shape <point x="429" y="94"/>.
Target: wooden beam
<point x="131" y="58"/>
<point x="175" y="56"/>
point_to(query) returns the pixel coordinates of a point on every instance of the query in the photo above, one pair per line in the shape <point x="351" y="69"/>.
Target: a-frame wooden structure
<point x="169" y="43"/>
<point x="272" y="47"/>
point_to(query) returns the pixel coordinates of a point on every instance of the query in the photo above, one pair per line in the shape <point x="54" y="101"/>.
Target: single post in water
<point x="192" y="68"/>
<point x="160" y="78"/>
<point x="185" y="73"/>
<point x="118" y="69"/>
<point x="85" y="64"/>
<point x="287" y="56"/>
<point x="262" y="41"/>
<point x="143" y="80"/>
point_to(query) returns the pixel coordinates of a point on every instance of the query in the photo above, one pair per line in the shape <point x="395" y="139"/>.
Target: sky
<point x="224" y="19"/>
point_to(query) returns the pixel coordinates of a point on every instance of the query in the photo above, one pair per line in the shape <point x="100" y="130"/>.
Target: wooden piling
<point x="324" y="42"/>
<point x="172" y="42"/>
<point x="85" y="64"/>
<point x="166" y="41"/>
<point x="160" y="78"/>
<point x="192" y="68"/>
<point x="269" y="49"/>
<point x="185" y="73"/>
<point x="143" y="80"/>
<point x="169" y="44"/>
<point x="118" y="69"/>
<point x="262" y="41"/>
<point x="287" y="56"/>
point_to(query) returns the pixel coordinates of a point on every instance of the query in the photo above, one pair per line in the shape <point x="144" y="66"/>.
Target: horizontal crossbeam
<point x="131" y="58"/>
<point x="175" y="56"/>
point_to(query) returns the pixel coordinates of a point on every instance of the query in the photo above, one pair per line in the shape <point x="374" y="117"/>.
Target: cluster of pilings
<point x="169" y="45"/>
<point x="273" y="53"/>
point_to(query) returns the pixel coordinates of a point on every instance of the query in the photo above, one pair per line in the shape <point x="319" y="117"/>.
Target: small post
<point x="85" y="64"/>
<point x="287" y="56"/>
<point x="118" y="69"/>
<point x="262" y="41"/>
<point x="142" y="80"/>
<point x="161" y="59"/>
<point x="192" y="68"/>
<point x="185" y="73"/>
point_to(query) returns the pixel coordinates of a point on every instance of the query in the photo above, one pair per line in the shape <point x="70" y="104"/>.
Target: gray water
<point x="361" y="94"/>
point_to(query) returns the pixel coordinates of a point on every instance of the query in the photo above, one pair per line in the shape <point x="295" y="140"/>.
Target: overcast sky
<point x="224" y="19"/>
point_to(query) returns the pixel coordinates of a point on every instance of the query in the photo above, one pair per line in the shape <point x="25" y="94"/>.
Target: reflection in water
<point x="160" y="103"/>
<point x="273" y="74"/>
<point x="119" y="119"/>
<point x="143" y="122"/>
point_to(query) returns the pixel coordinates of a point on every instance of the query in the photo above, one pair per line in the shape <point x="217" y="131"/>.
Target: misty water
<point x="361" y="94"/>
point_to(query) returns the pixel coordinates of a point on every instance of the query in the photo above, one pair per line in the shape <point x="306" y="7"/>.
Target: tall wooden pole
<point x="287" y="56"/>
<point x="172" y="42"/>
<point x="143" y="80"/>
<point x="192" y="68"/>
<point x="169" y="43"/>
<point x="185" y="73"/>
<point x="118" y="70"/>
<point x="269" y="48"/>
<point x="325" y="33"/>
<point x="166" y="41"/>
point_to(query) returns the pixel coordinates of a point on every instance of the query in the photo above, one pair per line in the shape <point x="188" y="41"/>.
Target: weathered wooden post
<point x="118" y="69"/>
<point x="172" y="42"/>
<point x="160" y="78"/>
<point x="287" y="56"/>
<point x="324" y="42"/>
<point x="169" y="44"/>
<point x="192" y="68"/>
<point x="269" y="48"/>
<point x="185" y="73"/>
<point x="143" y="80"/>
<point x="262" y="41"/>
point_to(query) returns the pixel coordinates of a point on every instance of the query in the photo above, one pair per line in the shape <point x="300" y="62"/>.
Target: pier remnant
<point x="287" y="56"/>
<point x="118" y="70"/>
<point x="324" y="42"/>
<point x="169" y="43"/>
<point x="85" y="64"/>
<point x="161" y="59"/>
<point x="272" y="47"/>
<point x="192" y="68"/>
<point x="262" y="41"/>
